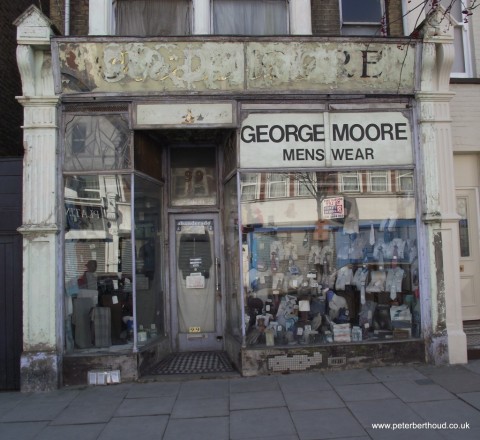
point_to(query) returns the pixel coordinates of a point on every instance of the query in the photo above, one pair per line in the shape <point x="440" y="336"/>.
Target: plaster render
<point x="240" y="66"/>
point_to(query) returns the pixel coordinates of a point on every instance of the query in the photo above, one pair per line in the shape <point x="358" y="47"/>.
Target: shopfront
<point x="274" y="200"/>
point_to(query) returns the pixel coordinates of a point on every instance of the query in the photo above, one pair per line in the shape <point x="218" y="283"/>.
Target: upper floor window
<point x="250" y="17"/>
<point x="350" y="182"/>
<point x="152" y="17"/>
<point x="461" y="64"/>
<point x="362" y="17"/>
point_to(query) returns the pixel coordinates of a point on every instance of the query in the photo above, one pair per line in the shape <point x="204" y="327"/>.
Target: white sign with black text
<point x="313" y="140"/>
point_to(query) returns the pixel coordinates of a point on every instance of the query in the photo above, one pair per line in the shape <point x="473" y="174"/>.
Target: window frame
<point x="287" y="17"/>
<point x="363" y="25"/>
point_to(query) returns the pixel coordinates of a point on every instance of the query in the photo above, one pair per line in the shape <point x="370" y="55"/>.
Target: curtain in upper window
<point x="152" y="17"/>
<point x="250" y="17"/>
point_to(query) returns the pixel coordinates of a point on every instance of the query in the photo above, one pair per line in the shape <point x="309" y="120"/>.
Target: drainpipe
<point x="67" y="17"/>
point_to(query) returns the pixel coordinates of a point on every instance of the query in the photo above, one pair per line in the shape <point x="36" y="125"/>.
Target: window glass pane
<point x="459" y="59"/>
<point x="98" y="261"/>
<point x="355" y="252"/>
<point x="405" y="181"/>
<point x="193" y="176"/>
<point x="463" y="227"/>
<point x="148" y="239"/>
<point x="152" y="17"/>
<point x="97" y="143"/>
<point x="250" y="17"/>
<point x="355" y="11"/>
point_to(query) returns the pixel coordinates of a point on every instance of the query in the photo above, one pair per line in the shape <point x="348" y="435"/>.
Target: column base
<point x="39" y="371"/>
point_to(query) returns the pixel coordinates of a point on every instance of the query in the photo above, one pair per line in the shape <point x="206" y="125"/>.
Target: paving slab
<point x="397" y="373"/>
<point x="153" y="389"/>
<point x="448" y="411"/>
<point x="145" y="407"/>
<point x="34" y="411"/>
<point x="211" y="428"/>
<point x="473" y="366"/>
<point x="301" y="382"/>
<point x="195" y="408"/>
<point x="79" y="414"/>
<point x="323" y="399"/>
<point x="471" y="398"/>
<point x="70" y="432"/>
<point x="378" y="411"/>
<point x="260" y="423"/>
<point x="350" y="377"/>
<point x="199" y="389"/>
<point x="456" y="379"/>
<point x="23" y="431"/>
<point x="405" y="434"/>
<point x="370" y="391"/>
<point x="144" y="428"/>
<point x="326" y="423"/>
<point x="418" y="390"/>
<point x="249" y="384"/>
<point x="256" y="399"/>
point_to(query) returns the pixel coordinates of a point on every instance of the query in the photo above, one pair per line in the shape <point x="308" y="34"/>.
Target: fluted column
<point x="42" y="307"/>
<point x="440" y="288"/>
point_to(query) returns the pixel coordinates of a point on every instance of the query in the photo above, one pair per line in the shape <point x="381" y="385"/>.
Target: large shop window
<point x="105" y="271"/>
<point x="338" y="264"/>
<point x="250" y="17"/>
<point x="362" y="17"/>
<point x="113" y="235"/>
<point x="145" y="18"/>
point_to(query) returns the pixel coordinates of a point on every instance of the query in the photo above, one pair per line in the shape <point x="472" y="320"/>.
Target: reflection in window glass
<point x="378" y="181"/>
<point x="462" y="210"/>
<point x="250" y="17"/>
<point x="350" y="182"/>
<point x="148" y="239"/>
<point x="98" y="261"/>
<point x="277" y="185"/>
<point x="250" y="187"/>
<point x="339" y="265"/>
<point x="99" y="142"/>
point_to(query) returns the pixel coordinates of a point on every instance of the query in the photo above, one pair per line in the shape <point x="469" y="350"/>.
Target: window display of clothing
<point x="394" y="281"/>
<point x="344" y="277"/>
<point x="377" y="281"/>
<point x="360" y="281"/>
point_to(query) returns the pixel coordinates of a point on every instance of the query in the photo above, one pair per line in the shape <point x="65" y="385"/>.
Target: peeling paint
<point x="440" y="281"/>
<point x="153" y="66"/>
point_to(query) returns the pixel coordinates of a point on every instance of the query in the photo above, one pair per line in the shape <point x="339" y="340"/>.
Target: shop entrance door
<point x="195" y="277"/>
<point x="467" y="192"/>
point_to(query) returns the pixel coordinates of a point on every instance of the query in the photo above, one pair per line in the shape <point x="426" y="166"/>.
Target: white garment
<point x="377" y="281"/>
<point x="394" y="281"/>
<point x="314" y="254"/>
<point x="344" y="277"/>
<point x="360" y="281"/>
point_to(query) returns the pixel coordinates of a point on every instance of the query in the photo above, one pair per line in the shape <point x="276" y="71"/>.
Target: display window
<point x="113" y="287"/>
<point x="335" y="263"/>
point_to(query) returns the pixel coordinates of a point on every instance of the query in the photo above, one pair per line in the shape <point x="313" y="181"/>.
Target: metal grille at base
<point x="193" y="363"/>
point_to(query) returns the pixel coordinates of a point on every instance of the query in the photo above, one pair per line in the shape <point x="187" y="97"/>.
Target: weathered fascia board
<point x="196" y="66"/>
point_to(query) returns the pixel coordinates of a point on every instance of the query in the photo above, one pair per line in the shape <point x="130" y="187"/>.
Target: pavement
<point x="419" y="402"/>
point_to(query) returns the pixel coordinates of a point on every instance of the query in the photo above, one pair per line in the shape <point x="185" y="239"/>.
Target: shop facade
<point x="282" y="200"/>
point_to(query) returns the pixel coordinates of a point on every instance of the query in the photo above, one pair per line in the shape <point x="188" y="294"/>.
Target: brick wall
<point x="395" y="17"/>
<point x="325" y="17"/>
<point x="78" y="16"/>
<point x="11" y="112"/>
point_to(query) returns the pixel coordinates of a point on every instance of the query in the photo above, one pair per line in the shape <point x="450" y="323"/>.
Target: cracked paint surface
<point x="240" y="66"/>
